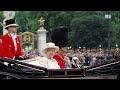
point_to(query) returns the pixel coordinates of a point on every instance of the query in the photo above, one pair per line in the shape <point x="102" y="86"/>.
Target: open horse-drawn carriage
<point x="14" y="69"/>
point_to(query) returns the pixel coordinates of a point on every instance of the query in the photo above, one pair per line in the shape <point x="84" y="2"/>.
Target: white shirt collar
<point x="14" y="36"/>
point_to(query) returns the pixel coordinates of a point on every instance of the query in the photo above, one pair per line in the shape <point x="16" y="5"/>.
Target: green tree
<point x="87" y="30"/>
<point x="115" y="28"/>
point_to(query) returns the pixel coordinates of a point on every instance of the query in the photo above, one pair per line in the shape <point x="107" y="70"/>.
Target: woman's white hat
<point x="75" y="58"/>
<point x="49" y="45"/>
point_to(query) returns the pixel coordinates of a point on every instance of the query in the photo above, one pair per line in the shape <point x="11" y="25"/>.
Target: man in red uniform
<point x="11" y="41"/>
<point x="59" y="36"/>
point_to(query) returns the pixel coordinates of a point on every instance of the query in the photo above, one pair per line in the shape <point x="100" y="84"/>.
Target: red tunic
<point x="60" y="59"/>
<point x="9" y="48"/>
<point x="2" y="52"/>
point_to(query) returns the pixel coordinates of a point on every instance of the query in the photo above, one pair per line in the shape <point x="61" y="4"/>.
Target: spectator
<point x="76" y="63"/>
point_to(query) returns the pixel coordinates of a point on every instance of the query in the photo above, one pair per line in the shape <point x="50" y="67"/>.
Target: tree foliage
<point x="88" y="30"/>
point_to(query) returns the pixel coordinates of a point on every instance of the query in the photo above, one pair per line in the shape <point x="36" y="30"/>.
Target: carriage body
<point x="25" y="70"/>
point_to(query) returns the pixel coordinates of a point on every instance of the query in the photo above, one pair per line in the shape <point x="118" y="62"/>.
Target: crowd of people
<point x="31" y="54"/>
<point x="78" y="58"/>
<point x="90" y="58"/>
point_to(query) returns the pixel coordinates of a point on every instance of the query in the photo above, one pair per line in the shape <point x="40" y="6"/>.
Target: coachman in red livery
<point x="11" y="41"/>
